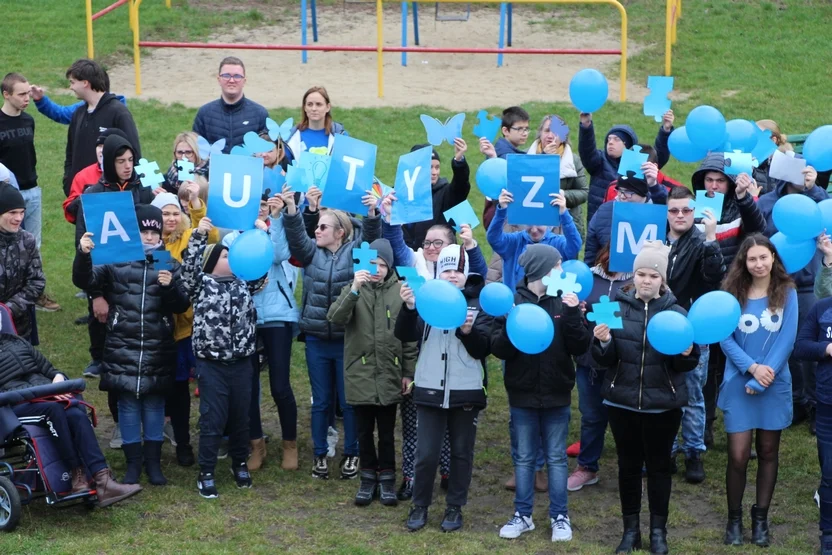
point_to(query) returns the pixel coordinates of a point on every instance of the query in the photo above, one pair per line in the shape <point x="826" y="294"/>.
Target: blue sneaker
<point x="206" y="486"/>
<point x="93" y="369"/>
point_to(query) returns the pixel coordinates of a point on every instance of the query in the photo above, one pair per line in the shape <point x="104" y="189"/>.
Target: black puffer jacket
<point x="221" y="120"/>
<point x="139" y="351"/>
<point x="21" y="365"/>
<point x="544" y="380"/>
<point x="21" y="277"/>
<point x="638" y="376"/>
<point x="324" y="273"/>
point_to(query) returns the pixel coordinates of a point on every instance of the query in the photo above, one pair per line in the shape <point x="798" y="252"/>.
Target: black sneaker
<point x="405" y="492"/>
<point x="418" y="518"/>
<point x="453" y="519"/>
<point x="694" y="469"/>
<point x="320" y="469"/>
<point x="82" y="320"/>
<point x="349" y="467"/>
<point x="206" y="486"/>
<point x="241" y="475"/>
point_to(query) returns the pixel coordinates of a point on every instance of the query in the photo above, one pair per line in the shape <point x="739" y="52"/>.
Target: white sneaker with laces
<point x="331" y="441"/>
<point x="561" y="529"/>
<point x="517" y="526"/>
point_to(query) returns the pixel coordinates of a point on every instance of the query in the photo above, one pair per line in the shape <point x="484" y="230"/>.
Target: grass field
<point x="752" y="59"/>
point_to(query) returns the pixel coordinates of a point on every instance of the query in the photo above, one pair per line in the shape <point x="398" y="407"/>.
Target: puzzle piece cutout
<point x="765" y="146"/>
<point x="558" y="127"/>
<point x="606" y="312"/>
<point x="298" y="179"/>
<point x="631" y="162"/>
<point x="363" y="257"/>
<point x="786" y="167"/>
<point x="737" y="162"/>
<point x="657" y="103"/>
<point x="206" y="149"/>
<point x="462" y="213"/>
<point x="411" y="277"/>
<point x="487" y="126"/>
<point x="162" y="257"/>
<point x="560" y="283"/>
<point x="274" y="179"/>
<point x="149" y="175"/>
<point x="703" y="201"/>
<point x="439" y="132"/>
<point x="185" y="169"/>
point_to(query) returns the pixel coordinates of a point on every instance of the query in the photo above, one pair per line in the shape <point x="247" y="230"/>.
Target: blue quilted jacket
<point x="220" y="120"/>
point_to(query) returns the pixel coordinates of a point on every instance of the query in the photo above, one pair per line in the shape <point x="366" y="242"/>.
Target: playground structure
<point x="673" y="13"/>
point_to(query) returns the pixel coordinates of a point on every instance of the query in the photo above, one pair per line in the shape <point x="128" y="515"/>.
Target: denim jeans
<point x="824" y="431"/>
<point x="325" y="360"/>
<point x="512" y="437"/>
<point x="32" y="218"/>
<point x="141" y="415"/>
<point x="533" y="427"/>
<point x="593" y="416"/>
<point x="693" y="414"/>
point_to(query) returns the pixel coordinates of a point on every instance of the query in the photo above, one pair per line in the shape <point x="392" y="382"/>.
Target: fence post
<point x="137" y="57"/>
<point x="380" y="46"/>
<point x="90" y="49"/>
<point x="669" y="23"/>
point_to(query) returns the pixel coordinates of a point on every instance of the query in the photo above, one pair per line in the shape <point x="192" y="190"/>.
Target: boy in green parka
<point x="378" y="369"/>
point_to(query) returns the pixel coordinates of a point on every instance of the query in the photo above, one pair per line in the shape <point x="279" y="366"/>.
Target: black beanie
<point x="107" y="132"/>
<point x="626" y="138"/>
<point x="10" y="198"/>
<point x="434" y="155"/>
<point x="634" y="184"/>
<point x="150" y="218"/>
<point x="211" y="256"/>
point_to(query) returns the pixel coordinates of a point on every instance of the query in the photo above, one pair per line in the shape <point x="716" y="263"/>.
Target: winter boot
<point x="258" y="454"/>
<point x="290" y="455"/>
<point x="759" y="526"/>
<point x="108" y="491"/>
<point x="133" y="455"/>
<point x="185" y="455"/>
<point x="80" y="484"/>
<point x="631" y="538"/>
<point x="368" y="482"/>
<point x="387" y="488"/>
<point x="658" y="534"/>
<point x="733" y="530"/>
<point x="153" y="462"/>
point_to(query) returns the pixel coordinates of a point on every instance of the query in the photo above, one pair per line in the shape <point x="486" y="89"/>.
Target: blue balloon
<point x="818" y="148"/>
<point x="496" y="299"/>
<point x="669" y="332"/>
<point x="492" y="177"/>
<point x="706" y="127"/>
<point x="441" y="305"/>
<point x="530" y="328"/>
<point x="795" y="254"/>
<point x="798" y="217"/>
<point x="588" y="90"/>
<point x="681" y="147"/>
<point x="250" y="255"/>
<point x="825" y="207"/>
<point x="584" y="274"/>
<point x="742" y="135"/>
<point x="714" y="317"/>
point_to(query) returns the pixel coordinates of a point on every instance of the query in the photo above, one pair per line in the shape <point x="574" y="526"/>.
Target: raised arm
<point x="56" y="112"/>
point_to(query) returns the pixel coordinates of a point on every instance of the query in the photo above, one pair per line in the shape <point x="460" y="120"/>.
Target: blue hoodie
<point x="63" y="114"/>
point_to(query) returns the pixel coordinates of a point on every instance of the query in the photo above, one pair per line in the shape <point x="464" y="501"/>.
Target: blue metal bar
<point x="510" y="18"/>
<point x="404" y="33"/>
<point x="500" y="42"/>
<point x="416" y="22"/>
<point x="315" y="24"/>
<point x="303" y="29"/>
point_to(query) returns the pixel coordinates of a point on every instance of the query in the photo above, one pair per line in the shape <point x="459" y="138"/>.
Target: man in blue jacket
<point x="232" y="115"/>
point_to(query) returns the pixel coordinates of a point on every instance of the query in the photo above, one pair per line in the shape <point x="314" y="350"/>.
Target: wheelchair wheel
<point x="9" y="505"/>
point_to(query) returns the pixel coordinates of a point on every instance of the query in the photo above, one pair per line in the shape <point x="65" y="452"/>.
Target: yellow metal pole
<point x="677" y="14"/>
<point x="668" y="36"/>
<point x="90" y="48"/>
<point x="380" y="47"/>
<point x="167" y="3"/>
<point x="623" y="95"/>
<point x="137" y="57"/>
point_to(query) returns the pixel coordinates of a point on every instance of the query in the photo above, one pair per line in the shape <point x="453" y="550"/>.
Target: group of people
<point x="153" y="327"/>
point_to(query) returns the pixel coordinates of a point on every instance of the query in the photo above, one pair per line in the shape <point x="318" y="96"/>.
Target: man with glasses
<point x="695" y="267"/>
<point x="232" y="115"/>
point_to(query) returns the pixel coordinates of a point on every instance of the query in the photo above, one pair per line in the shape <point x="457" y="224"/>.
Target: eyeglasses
<point x="232" y="77"/>
<point x="623" y="193"/>
<point x="521" y="130"/>
<point x="676" y="211"/>
<point x="184" y="152"/>
<point x="437" y="244"/>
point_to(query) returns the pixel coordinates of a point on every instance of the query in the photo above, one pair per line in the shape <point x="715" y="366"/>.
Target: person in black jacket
<point x="139" y="352"/>
<point x="22" y="367"/>
<point x="103" y="110"/>
<point x="539" y="391"/>
<point x="695" y="267"/>
<point x="645" y="391"/>
<point x="445" y="195"/>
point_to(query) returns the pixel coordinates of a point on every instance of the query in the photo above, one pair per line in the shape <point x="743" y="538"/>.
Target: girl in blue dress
<point x="756" y="392"/>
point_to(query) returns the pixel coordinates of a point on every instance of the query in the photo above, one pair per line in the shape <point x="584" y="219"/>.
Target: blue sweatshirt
<point x="63" y="114"/>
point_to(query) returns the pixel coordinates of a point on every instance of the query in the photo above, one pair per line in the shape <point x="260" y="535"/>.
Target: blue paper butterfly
<point x="281" y="130"/>
<point x="438" y="132"/>
<point x="206" y="149"/>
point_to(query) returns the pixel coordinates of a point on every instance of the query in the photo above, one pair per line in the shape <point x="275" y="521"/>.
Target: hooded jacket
<point x="21" y="365"/>
<point x="638" y="376"/>
<point x="374" y="360"/>
<point x="805" y="278"/>
<point x="450" y="371"/>
<point x="139" y="350"/>
<point x="740" y="217"/>
<point x="221" y="120"/>
<point x="601" y="167"/>
<point x="85" y="128"/>
<point x="23" y="279"/>
<point x="694" y="267"/>
<point x="445" y="196"/>
<point x="544" y="380"/>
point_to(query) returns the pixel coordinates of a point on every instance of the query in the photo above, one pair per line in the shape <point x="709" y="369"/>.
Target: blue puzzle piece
<point x="185" y="169"/>
<point x="765" y="146"/>
<point x="558" y="127"/>
<point x="162" y="259"/>
<point x="657" y="103"/>
<point x="605" y="313"/>
<point x="737" y="162"/>
<point x="273" y="179"/>
<point x="560" y="283"/>
<point x="363" y="257"/>
<point x="487" y="126"/>
<point x="631" y="161"/>
<point x="703" y="201"/>
<point x="206" y="149"/>
<point x="298" y="179"/>
<point x="462" y="213"/>
<point x="439" y="132"/>
<point x="149" y="175"/>
<point x="411" y="277"/>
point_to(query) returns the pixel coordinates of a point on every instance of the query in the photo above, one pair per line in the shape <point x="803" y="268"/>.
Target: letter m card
<point x="234" y="190"/>
<point x="531" y="179"/>
<point x="111" y="218"/>
<point x="632" y="225"/>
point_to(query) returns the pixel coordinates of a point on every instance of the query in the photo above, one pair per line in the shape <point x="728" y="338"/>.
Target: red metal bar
<point x="108" y="9"/>
<point x="336" y="48"/>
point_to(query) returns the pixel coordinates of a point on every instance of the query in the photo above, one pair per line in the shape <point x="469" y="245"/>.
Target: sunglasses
<point x="676" y="211"/>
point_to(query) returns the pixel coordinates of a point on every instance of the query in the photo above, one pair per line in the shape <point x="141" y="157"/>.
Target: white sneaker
<point x="168" y="433"/>
<point x="331" y="441"/>
<point x="561" y="529"/>
<point x="517" y="526"/>
<point x="116" y="441"/>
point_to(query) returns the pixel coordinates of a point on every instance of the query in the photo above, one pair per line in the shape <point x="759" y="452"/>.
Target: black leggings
<point x="739" y="451"/>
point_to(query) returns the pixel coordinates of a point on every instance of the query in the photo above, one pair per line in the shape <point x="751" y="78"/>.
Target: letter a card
<point x="111" y="218"/>
<point x="531" y="179"/>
